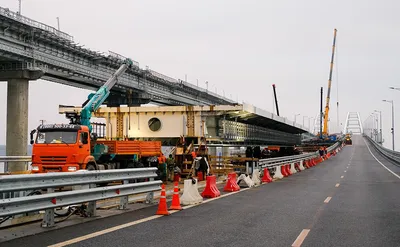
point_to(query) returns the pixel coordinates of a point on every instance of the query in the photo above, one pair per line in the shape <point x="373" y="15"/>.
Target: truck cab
<point x="60" y="148"/>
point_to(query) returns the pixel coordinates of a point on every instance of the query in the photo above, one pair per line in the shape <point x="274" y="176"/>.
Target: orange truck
<point x="69" y="148"/>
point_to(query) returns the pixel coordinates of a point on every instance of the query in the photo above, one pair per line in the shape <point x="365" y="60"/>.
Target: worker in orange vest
<point x="162" y="166"/>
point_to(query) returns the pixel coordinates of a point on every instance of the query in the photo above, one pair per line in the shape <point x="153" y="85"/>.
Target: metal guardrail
<point x="9" y="159"/>
<point x="272" y="162"/>
<point x="390" y="154"/>
<point x="86" y="193"/>
<point x="16" y="16"/>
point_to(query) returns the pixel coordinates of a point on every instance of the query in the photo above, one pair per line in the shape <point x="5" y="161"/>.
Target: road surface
<point x="348" y="200"/>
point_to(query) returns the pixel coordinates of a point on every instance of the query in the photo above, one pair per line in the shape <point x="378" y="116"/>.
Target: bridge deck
<point x="364" y="210"/>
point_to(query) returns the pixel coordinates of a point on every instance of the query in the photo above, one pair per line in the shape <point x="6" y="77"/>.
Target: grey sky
<point x="241" y="47"/>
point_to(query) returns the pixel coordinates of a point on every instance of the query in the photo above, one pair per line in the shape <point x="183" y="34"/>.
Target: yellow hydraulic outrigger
<point x="326" y="115"/>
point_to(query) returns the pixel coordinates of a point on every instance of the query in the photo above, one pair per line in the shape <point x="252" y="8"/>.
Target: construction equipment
<point x="348" y="140"/>
<point x="326" y="115"/>
<point x="276" y="100"/>
<point x="73" y="146"/>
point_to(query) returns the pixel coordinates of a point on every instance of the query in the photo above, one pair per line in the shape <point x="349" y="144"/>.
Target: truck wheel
<point x="90" y="167"/>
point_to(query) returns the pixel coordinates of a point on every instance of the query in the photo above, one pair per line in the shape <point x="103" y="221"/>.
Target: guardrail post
<point x="91" y="209"/>
<point x="48" y="218"/>
<point x="123" y="203"/>
<point x="150" y="195"/>
<point x="5" y="167"/>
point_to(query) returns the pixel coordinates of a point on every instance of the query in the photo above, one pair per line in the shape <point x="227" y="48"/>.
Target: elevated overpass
<point x="30" y="50"/>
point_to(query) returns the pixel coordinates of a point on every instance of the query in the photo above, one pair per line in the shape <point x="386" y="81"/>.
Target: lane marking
<point x="327" y="199"/>
<point x="345" y="171"/>
<point x="380" y="162"/>
<point x="342" y="177"/>
<point x="337" y="185"/>
<point x="299" y="240"/>
<point x="136" y="222"/>
<point x="112" y="229"/>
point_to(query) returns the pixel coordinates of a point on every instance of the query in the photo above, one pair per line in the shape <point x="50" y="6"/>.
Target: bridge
<point x="350" y="199"/>
<point x="30" y="50"/>
<point x="345" y="197"/>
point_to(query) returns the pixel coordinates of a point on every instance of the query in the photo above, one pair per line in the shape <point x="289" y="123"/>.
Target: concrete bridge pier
<point x="17" y="113"/>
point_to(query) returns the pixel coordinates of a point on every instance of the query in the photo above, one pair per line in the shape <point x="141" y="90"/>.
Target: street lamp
<point x="380" y="127"/>
<point x="395" y="88"/>
<point x="391" y="101"/>
<point x="303" y="119"/>
<point x="375" y="125"/>
<point x="295" y="115"/>
<point x="309" y="125"/>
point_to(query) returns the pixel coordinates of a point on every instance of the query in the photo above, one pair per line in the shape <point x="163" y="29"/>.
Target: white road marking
<point x="381" y="162"/>
<point x="108" y="230"/>
<point x="299" y="240"/>
<point x="337" y="185"/>
<point x="327" y="199"/>
<point x="342" y="177"/>
<point x="345" y="171"/>
<point x="136" y="222"/>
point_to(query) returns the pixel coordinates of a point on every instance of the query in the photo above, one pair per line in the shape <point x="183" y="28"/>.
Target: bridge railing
<point x="6" y="161"/>
<point x="390" y="154"/>
<point x="84" y="190"/>
<point x="272" y="162"/>
<point x="16" y="16"/>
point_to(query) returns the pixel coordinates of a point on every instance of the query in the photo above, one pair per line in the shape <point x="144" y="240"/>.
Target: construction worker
<point x="321" y="152"/>
<point x="177" y="174"/>
<point x="170" y="167"/>
<point x="162" y="166"/>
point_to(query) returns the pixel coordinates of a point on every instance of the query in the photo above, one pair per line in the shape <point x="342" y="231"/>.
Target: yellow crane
<point x="326" y="114"/>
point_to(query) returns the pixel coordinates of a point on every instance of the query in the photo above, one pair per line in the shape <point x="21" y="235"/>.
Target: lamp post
<point x="380" y="127"/>
<point x="375" y="124"/>
<point x="295" y="115"/>
<point x="303" y="119"/>
<point x="391" y="101"/>
<point x="309" y="125"/>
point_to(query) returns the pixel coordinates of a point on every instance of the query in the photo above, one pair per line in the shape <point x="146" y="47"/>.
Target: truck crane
<point x="71" y="147"/>
<point x="95" y="100"/>
<point x="325" y="134"/>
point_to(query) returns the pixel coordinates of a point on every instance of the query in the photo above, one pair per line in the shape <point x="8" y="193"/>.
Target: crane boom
<point x="326" y="115"/>
<point x="95" y="100"/>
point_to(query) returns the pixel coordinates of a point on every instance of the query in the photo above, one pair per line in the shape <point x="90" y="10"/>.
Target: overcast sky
<point x="241" y="47"/>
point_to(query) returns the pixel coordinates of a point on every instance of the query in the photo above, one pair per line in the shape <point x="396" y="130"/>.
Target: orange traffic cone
<point x="162" y="206"/>
<point x="176" y="204"/>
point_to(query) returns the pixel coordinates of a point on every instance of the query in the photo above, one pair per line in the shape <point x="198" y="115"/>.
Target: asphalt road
<point x="364" y="210"/>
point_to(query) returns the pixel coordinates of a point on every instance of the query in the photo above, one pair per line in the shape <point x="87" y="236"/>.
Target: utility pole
<point x="58" y="23"/>
<point x="19" y="7"/>
<point x="42" y="121"/>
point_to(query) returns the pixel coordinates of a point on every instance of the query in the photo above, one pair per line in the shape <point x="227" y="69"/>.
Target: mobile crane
<point x="325" y="134"/>
<point x="71" y="147"/>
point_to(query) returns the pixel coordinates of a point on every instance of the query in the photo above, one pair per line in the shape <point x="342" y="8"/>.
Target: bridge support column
<point x="17" y="113"/>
